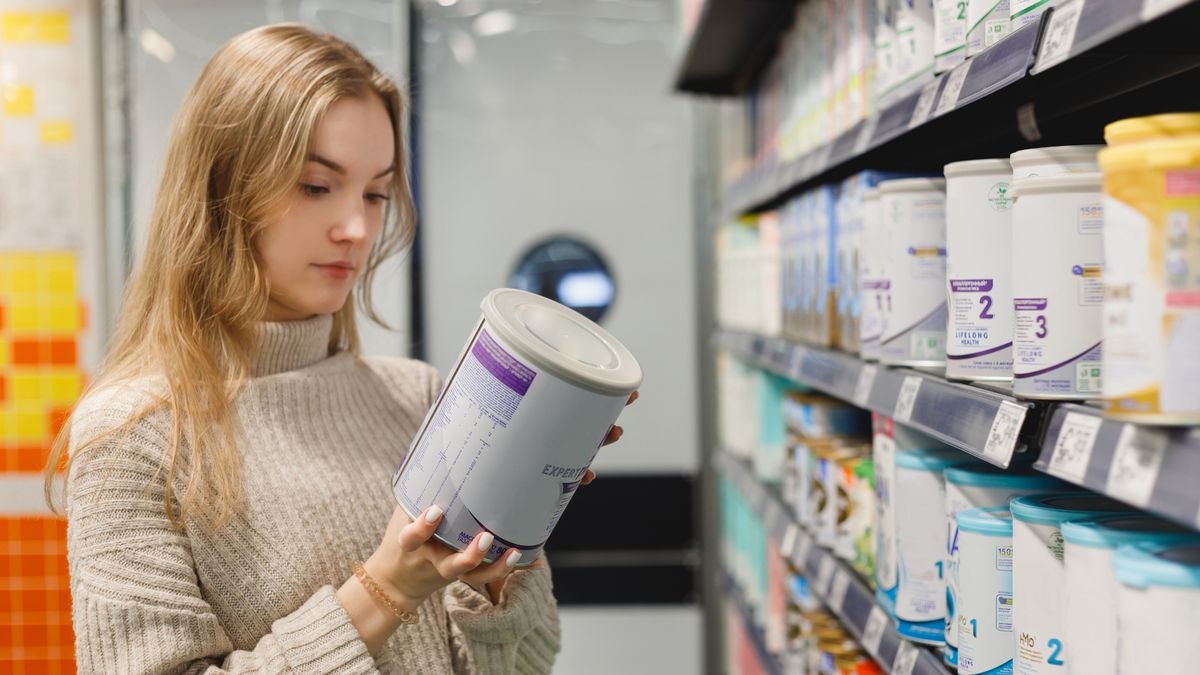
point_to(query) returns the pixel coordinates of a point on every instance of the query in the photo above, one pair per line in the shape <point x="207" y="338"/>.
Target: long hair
<point x="190" y="309"/>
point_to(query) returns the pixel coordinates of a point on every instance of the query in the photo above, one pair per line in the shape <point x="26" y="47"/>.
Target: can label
<point x="921" y="596"/>
<point x="985" y="621"/>
<point x="886" y="570"/>
<point x="1025" y="12"/>
<point x="988" y="22"/>
<point x="914" y="325"/>
<point x="1039" y="617"/>
<point x="949" y="33"/>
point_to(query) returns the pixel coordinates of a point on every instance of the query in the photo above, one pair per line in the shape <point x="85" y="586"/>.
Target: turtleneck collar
<point x="291" y="345"/>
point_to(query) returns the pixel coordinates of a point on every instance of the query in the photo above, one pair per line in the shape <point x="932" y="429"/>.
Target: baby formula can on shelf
<point x="914" y="326"/>
<point x="1151" y="309"/>
<point x="1158" y="607"/>
<point x="1039" y="575"/>
<point x="984" y="624"/>
<point x="1054" y="161"/>
<point x="1058" y="286"/>
<point x="1091" y="590"/>
<point x="874" y="285"/>
<point x="1153" y="128"/>
<point x="914" y="44"/>
<point x="988" y="22"/>
<point x="949" y="34"/>
<point x="522" y="415"/>
<point x="979" y="270"/>
<point x="920" y="507"/>
<point x="978" y="485"/>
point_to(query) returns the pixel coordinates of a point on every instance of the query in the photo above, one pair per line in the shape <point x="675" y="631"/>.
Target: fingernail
<point x="485" y="541"/>
<point x="512" y="559"/>
<point x="433" y="514"/>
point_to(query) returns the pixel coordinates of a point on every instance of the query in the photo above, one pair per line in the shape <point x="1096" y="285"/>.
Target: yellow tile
<point x="3" y="352"/>
<point x="52" y="132"/>
<point x="65" y="388"/>
<point x="23" y="281"/>
<point x="61" y="278"/>
<point x="18" y="100"/>
<point x="8" y="425"/>
<point x="52" y="27"/>
<point x="26" y="318"/>
<point x="29" y="388"/>
<point x="31" y="426"/>
<point x="17" y="27"/>
<point x="64" y="318"/>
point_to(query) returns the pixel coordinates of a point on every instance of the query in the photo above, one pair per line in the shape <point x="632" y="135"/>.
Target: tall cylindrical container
<point x="988" y="22"/>
<point x="970" y="486"/>
<point x="1054" y="161"/>
<point x="914" y="43"/>
<point x="949" y="34"/>
<point x="1091" y="591"/>
<point x="979" y="270"/>
<point x="1039" y="575"/>
<point x="914" y="326"/>
<point x="1152" y="301"/>
<point x="1058" y="286"/>
<point x="920" y="507"/>
<point x="984" y="625"/>
<point x="1158" y="608"/>
<point x="522" y="415"/>
<point x="874" y="275"/>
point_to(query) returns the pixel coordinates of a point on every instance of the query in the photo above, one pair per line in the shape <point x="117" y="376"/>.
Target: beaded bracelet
<point x="368" y="583"/>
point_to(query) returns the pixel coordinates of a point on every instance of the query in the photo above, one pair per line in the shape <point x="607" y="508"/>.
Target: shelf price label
<point x="788" y="545"/>
<point x="924" y="104"/>
<point x="803" y="547"/>
<point x="1002" y="438"/>
<point x="866" y="381"/>
<point x="838" y="589"/>
<point x="1154" y="8"/>
<point x="1135" y="465"/>
<point x="1060" y="34"/>
<point x="1073" y="447"/>
<point x="872" y="635"/>
<point x="866" y="134"/>
<point x="907" y="398"/>
<point x="825" y="577"/>
<point x="950" y="93"/>
<point x="906" y="659"/>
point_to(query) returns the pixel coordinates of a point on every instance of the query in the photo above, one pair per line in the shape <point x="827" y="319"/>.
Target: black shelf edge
<point x="735" y="593"/>
<point x="1152" y="468"/>
<point x="732" y="42"/>
<point x="986" y="423"/>
<point x="1029" y="89"/>
<point x="855" y="606"/>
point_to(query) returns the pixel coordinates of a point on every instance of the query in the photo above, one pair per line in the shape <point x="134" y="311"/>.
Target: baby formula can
<point x="920" y="516"/>
<point x="863" y="521"/>
<point x="1158" y="607"/>
<point x="914" y="43"/>
<point x="885" y="49"/>
<point x="979" y="270"/>
<point x="984" y="624"/>
<point x="1152" y="128"/>
<point x="822" y="328"/>
<point x="914" y="326"/>
<point x="1058" y="286"/>
<point x="1039" y="576"/>
<point x="949" y="34"/>
<point x="521" y="417"/>
<point x="1152" y="300"/>
<point x="1091" y="591"/>
<point x="855" y="518"/>
<point x="875" y="284"/>
<point x="1054" y="161"/>
<point x="1025" y="12"/>
<point x="988" y="22"/>
<point x="830" y="501"/>
<point x="970" y="486"/>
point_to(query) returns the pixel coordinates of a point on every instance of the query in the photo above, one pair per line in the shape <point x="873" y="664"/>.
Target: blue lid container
<point x="986" y="475"/>
<point x="1058" y="508"/>
<point x="995" y="521"/>
<point x="1133" y="528"/>
<point x="921" y="459"/>
<point x="1144" y="565"/>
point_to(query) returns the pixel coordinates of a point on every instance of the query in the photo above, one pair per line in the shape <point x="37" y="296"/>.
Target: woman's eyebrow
<point x="338" y="168"/>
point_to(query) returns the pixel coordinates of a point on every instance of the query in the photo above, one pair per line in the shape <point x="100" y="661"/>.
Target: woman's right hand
<point x="411" y="565"/>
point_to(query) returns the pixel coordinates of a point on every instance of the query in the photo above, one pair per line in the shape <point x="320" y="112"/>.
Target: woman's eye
<point x="313" y="190"/>
<point x="377" y="198"/>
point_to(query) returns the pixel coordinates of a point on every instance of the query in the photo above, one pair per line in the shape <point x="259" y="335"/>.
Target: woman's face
<point x="314" y="250"/>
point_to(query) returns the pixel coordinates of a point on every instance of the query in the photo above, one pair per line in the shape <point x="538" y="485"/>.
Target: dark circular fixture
<point x="569" y="272"/>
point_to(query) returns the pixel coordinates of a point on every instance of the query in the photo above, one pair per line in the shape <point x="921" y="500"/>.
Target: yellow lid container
<point x="1152" y="155"/>
<point x="1138" y="129"/>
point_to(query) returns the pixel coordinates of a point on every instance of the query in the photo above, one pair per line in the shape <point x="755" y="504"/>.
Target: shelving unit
<point x="730" y="44"/>
<point x="735" y="594"/>
<point x="832" y="580"/>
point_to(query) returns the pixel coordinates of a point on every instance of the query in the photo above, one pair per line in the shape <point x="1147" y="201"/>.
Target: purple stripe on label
<point x="1043" y="371"/>
<point x="941" y="308"/>
<point x="877" y="284"/>
<point x="1029" y="304"/>
<point x="970" y="285"/>
<point x="511" y="372"/>
<point x="993" y="350"/>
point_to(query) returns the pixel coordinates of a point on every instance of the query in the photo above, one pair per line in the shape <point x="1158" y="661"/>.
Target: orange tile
<point x="33" y="565"/>
<point x="1" y="317"/>
<point x="27" y="352"/>
<point x="28" y="459"/>
<point x="58" y="417"/>
<point x="36" y="636"/>
<point x="3" y="389"/>
<point x="33" y="600"/>
<point x="63" y="352"/>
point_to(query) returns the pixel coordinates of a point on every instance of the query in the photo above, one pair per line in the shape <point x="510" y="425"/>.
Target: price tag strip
<point x="872" y="636"/>
<point x="948" y="99"/>
<point x="866" y="134"/>
<point x="788" y="545"/>
<point x="1073" y="447"/>
<point x="838" y="589"/>
<point x="866" y="381"/>
<point x="1060" y="34"/>
<point x="907" y="398"/>
<point x="1135" y="465"/>
<point x="924" y="104"/>
<point x="906" y="659"/>
<point x="825" y="577"/>
<point x="1002" y="438"/>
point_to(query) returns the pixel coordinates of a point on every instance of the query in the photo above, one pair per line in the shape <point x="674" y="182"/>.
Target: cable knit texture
<point x="321" y="437"/>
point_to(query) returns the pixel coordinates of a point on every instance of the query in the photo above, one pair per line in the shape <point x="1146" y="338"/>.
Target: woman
<point x="229" y="466"/>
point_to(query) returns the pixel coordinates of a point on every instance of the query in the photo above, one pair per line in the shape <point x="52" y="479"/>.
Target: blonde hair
<point x="189" y="316"/>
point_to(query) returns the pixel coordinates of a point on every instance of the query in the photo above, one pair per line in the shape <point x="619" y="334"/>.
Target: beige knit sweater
<point x="322" y="436"/>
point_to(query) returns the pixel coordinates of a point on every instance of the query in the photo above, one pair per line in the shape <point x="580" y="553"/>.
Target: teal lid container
<point x="928" y="460"/>
<point x="994" y="521"/>
<point x="1133" y="528"/>
<point x="1058" y="508"/>
<point x="986" y="475"/>
<point x="1145" y="565"/>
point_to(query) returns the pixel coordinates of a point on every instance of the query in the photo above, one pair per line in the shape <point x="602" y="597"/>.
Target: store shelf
<point x="985" y="422"/>
<point x="735" y="593"/>
<point x="1040" y="86"/>
<point x="732" y="41"/>
<point x="831" y="579"/>
<point x="1154" y="468"/>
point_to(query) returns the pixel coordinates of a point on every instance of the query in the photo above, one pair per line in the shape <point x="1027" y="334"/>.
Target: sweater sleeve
<point x="137" y="602"/>
<point x="520" y="636"/>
